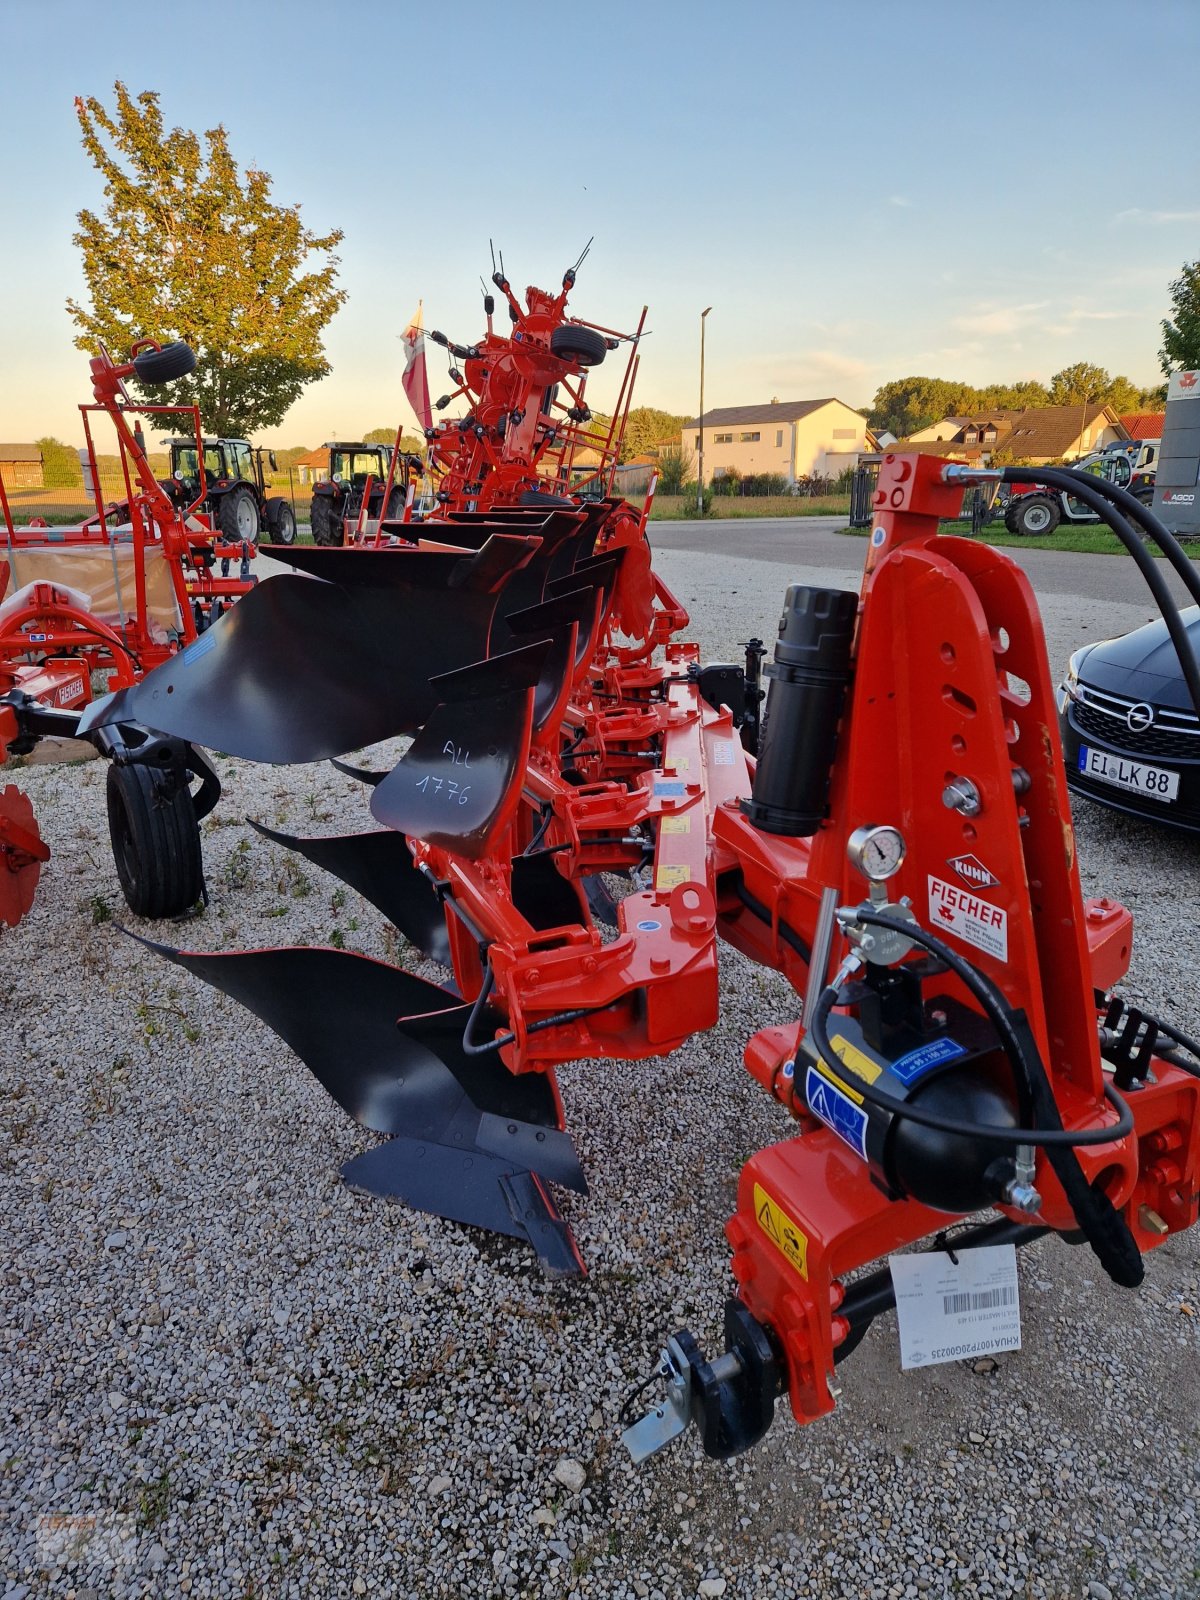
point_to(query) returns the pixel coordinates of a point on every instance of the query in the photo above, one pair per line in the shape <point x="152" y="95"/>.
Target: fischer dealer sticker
<point x="781" y="1230"/>
<point x="969" y="918"/>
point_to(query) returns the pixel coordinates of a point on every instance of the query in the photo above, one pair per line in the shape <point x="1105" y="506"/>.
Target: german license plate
<point x="1156" y="783"/>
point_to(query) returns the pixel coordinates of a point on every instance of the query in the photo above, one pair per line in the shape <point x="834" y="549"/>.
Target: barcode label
<point x="984" y="1300"/>
<point x="953" y="1308"/>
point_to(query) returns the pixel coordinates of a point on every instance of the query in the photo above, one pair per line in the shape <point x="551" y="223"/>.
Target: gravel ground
<point x="224" y="1374"/>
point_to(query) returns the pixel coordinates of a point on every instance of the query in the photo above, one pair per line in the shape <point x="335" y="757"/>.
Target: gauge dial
<point x="877" y="852"/>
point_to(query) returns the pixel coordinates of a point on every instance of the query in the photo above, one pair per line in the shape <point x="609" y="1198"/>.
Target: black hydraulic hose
<point x="1101" y="1223"/>
<point x="1137" y="511"/>
<point x="787" y="933"/>
<point x="1083" y="487"/>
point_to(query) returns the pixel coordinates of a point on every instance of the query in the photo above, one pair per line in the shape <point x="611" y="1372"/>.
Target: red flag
<point x="416" y="380"/>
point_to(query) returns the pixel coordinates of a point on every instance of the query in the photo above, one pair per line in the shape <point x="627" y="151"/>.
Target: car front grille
<point x="1173" y="736"/>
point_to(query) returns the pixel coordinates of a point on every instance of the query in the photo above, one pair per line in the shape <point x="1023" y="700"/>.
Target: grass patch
<point x="1081" y="539"/>
<point x="682" y="508"/>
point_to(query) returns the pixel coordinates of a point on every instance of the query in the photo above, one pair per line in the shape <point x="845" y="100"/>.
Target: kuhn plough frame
<point x="900" y="848"/>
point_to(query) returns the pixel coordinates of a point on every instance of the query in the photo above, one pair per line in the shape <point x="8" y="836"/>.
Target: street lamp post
<point x="700" y="451"/>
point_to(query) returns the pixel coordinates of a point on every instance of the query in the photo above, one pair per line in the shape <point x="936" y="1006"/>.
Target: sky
<point x="860" y="191"/>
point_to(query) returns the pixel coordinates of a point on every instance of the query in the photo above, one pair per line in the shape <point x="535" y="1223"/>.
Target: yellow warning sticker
<point x="781" y="1230"/>
<point x="838" y="1080"/>
<point x="671" y="877"/>
<point x="852" y="1058"/>
<point x="680" y="764"/>
<point x="675" y="824"/>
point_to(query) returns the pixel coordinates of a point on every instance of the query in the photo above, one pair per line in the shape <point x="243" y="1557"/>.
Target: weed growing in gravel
<point x="110" y="1081"/>
<point x="99" y="907"/>
<point x="155" y="1501"/>
<point x="237" y="868"/>
<point x="337" y="899"/>
<point x="337" y="939"/>
<point x="276" y="911"/>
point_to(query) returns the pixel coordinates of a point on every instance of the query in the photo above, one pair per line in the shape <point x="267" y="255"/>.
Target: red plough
<point x="897" y="842"/>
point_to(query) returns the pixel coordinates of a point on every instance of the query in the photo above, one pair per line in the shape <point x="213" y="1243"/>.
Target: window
<point x="722" y="438"/>
<point x="970" y="436"/>
<point x="779" y="438"/>
<point x="845" y="433"/>
<point x="749" y="438"/>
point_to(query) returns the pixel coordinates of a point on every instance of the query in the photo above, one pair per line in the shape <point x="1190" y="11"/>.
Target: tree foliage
<point x="647" y="426"/>
<point x="1181" y="331"/>
<point x="409" y="443"/>
<point x="675" y="466"/>
<point x="60" y="464"/>
<point x="187" y="246"/>
<point x="907" y="405"/>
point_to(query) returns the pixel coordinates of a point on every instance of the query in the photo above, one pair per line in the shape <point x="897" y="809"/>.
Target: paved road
<point x="815" y="542"/>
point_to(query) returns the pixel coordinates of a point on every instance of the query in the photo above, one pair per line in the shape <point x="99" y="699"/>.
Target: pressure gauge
<point x="877" y="852"/>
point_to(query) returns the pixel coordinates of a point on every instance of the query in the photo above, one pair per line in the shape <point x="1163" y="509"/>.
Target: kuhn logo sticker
<point x="969" y="918"/>
<point x="971" y="870"/>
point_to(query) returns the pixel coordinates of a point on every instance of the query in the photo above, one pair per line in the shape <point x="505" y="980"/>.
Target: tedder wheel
<point x="156" y="842"/>
<point x="161" y="366"/>
<point x="281" y="522"/>
<point x="237" y="516"/>
<point x="1035" y="514"/>
<point x="326" y="524"/>
<point x="573" y="343"/>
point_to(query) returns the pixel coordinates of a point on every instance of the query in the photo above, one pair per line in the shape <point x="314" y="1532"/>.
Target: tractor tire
<point x="281" y="522"/>
<point x="395" y="506"/>
<point x="584" y="345"/>
<point x="1033" y="516"/>
<point x="325" y="522"/>
<point x="237" y="516"/>
<point x="155" y="843"/>
<point x="163" y="366"/>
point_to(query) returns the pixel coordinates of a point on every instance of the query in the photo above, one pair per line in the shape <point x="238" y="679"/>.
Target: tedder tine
<point x="380" y="866"/>
<point x="460" y="779"/>
<point x="280" y="677"/>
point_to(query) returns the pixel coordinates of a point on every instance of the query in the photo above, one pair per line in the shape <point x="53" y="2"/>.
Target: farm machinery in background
<point x="895" y="839"/>
<point x="1034" y="509"/>
<point x="367" y="484"/>
<point x="232" y="492"/>
<point x="111" y="598"/>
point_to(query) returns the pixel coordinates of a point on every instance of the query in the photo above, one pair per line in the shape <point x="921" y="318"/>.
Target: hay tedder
<point x="105" y="601"/>
<point x="894" y="837"/>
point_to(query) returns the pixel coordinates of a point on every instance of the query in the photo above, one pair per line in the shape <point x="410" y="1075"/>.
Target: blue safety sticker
<point x="837" y="1111"/>
<point x="925" y="1057"/>
<point x="649" y="926"/>
<point x="670" y="788"/>
<point x="199" y="647"/>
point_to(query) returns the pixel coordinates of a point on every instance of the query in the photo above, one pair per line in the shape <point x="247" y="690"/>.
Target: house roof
<point x="20" y="452"/>
<point x="1144" y="424"/>
<point x="1050" y="431"/>
<point x="937" y="447"/>
<point x="315" y="458"/>
<point x="776" y="411"/>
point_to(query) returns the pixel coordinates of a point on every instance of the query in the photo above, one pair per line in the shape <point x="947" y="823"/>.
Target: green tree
<point x="408" y="442"/>
<point x="647" y="426"/>
<point x="1181" y="331"/>
<point x="908" y="404"/>
<point x="60" y="464"/>
<point x="675" y="467"/>
<point x="187" y="246"/>
<point x="1014" y="396"/>
<point x="1075" y="385"/>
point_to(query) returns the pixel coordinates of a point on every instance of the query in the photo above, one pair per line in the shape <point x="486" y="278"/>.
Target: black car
<point x="1131" y="736"/>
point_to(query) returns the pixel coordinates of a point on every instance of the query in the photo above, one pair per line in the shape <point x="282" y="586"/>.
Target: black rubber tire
<point x="237" y="516"/>
<point x="1038" y="508"/>
<point x="163" y="366"/>
<point x="573" y="343"/>
<point x="155" y="843"/>
<point x="395" y="505"/>
<point x="281" y="522"/>
<point x="539" y="497"/>
<point x="325" y="523"/>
